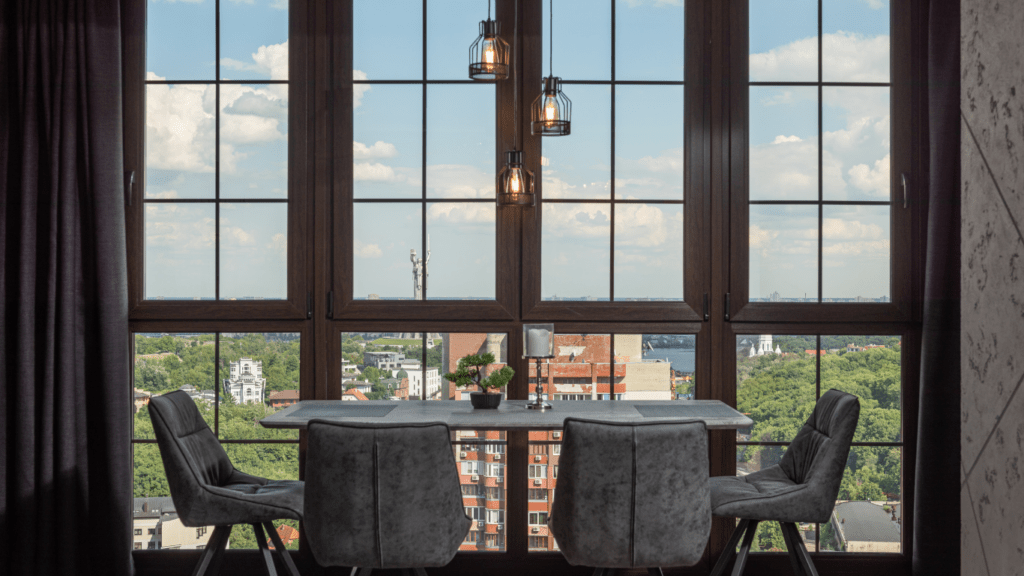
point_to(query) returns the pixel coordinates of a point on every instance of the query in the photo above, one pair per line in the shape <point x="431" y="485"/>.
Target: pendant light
<point x="515" y="182"/>
<point x="552" y="110"/>
<point x="488" y="55"/>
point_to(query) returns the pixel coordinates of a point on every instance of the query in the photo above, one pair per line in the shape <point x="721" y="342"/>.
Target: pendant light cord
<point x="515" y="86"/>
<point x="488" y="9"/>
<point x="551" y="38"/>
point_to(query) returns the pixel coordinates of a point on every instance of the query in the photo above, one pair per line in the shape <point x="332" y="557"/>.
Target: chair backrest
<point x="382" y="496"/>
<point x="818" y="453"/>
<point x="632" y="495"/>
<point x="190" y="451"/>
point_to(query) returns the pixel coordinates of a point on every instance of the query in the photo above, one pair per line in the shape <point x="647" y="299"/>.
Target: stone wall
<point x="992" y="282"/>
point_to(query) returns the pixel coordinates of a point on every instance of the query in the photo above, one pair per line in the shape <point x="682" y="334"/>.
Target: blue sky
<point x="460" y="149"/>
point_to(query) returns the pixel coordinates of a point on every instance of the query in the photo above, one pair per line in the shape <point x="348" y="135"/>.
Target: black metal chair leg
<point x="286" y="558"/>
<point x="802" y="554"/>
<point x="730" y="549"/>
<point x="213" y="554"/>
<point x="793" y="541"/>
<point x="655" y="572"/>
<point x="268" y="558"/>
<point x="419" y="571"/>
<point x="741" y="558"/>
<point x="357" y="571"/>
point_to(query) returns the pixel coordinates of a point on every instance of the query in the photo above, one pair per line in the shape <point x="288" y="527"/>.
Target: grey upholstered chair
<point x="382" y="496"/>
<point x="800" y="488"/>
<point x="207" y="490"/>
<point x="632" y="495"/>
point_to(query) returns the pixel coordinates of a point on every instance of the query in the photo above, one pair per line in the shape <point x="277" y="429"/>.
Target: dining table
<point x="511" y="415"/>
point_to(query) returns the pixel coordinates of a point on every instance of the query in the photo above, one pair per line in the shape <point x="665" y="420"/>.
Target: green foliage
<point x="470" y="372"/>
<point x="778" y="393"/>
<point x="829" y="540"/>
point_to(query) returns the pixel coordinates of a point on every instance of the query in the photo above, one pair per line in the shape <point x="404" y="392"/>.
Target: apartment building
<point x="246" y="382"/>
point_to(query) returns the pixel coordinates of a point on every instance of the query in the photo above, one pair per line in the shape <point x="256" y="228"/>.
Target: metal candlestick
<point x="538" y="404"/>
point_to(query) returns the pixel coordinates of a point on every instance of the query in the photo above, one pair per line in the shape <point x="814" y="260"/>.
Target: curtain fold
<point x="937" y="478"/>
<point x="65" y="486"/>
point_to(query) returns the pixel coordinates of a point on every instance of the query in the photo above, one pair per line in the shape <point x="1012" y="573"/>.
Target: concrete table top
<point x="512" y="415"/>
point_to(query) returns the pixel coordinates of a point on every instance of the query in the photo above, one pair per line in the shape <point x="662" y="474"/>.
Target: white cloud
<point x="178" y="229"/>
<point x="786" y="169"/>
<point x="781" y="139"/>
<point x="863" y="248"/>
<point x="655" y="3"/>
<point x="278" y="245"/>
<point x="165" y="195"/>
<point x="761" y="238"/>
<point x="179" y="127"/>
<point x="375" y="172"/>
<point x="461" y="213"/>
<point x="875" y="181"/>
<point x="379" y="149"/>
<point x="279" y="4"/>
<point x="846" y="55"/>
<point x="358" y="90"/>
<point x="840" y="229"/>
<point x="459" y="181"/>
<point x="669" y="161"/>
<point x="361" y="250"/>
<point x="876" y="4"/>
<point x="235" y="236"/>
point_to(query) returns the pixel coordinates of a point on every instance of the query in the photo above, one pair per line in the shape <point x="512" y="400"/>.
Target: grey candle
<point x="538" y="343"/>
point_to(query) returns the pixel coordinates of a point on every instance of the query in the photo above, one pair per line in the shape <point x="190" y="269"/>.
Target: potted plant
<point x="470" y="371"/>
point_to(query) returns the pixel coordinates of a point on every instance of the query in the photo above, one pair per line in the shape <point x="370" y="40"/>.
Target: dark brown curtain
<point x="937" y="486"/>
<point x="65" y="462"/>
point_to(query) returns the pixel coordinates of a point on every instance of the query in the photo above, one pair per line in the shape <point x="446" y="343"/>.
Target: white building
<point x="764" y="346"/>
<point x="246" y="382"/>
<point x="433" y="384"/>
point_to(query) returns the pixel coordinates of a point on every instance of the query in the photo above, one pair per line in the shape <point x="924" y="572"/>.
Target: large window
<point x="314" y="217"/>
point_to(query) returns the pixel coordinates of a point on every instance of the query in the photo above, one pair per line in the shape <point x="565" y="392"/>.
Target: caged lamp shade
<point x="489" y="54"/>
<point x="515" y="182"/>
<point x="551" y="111"/>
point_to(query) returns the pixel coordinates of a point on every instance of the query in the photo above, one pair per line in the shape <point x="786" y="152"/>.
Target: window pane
<point x="580" y="369"/>
<point x="642" y="373"/>
<point x="661" y="353"/>
<point x="870" y="368"/>
<point x="856" y="135"/>
<point x="460" y="141"/>
<point x="168" y="362"/>
<point x="254" y="141"/>
<point x="385" y="237"/>
<point x="455" y="346"/>
<point x="784" y="40"/>
<point x="855" y="44"/>
<point x="387" y="39"/>
<point x="583" y="31"/>
<point x="461" y="243"/>
<point x="784" y="144"/>
<point x="180" y="140"/>
<point x="254" y="40"/>
<point x="648" y="160"/>
<point x="181" y="40"/>
<point x="541" y="466"/>
<point x="575" y="254"/>
<point x="259" y="376"/>
<point x="856" y="254"/>
<point x="389" y="366"/>
<point x="155" y="522"/>
<point x="180" y="252"/>
<point x="868" y="516"/>
<point x="783" y="253"/>
<point x="577" y="167"/>
<point x="253" y="251"/>
<point x="648" y="252"/>
<point x="387" y="147"/>
<point x="452" y="25"/>
<point x="775" y="385"/>
<point x="482" y="473"/>
<point x="649" y="40"/>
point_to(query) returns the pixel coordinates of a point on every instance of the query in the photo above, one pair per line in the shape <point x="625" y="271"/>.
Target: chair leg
<point x="802" y="554"/>
<point x="730" y="549"/>
<point x="419" y="571"/>
<point x="655" y="572"/>
<point x="741" y="559"/>
<point x="356" y="571"/>
<point x="261" y="540"/>
<point x="286" y="558"/>
<point x="213" y="554"/>
<point x="793" y="541"/>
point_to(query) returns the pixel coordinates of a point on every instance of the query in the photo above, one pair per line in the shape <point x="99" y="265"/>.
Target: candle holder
<point x="538" y="343"/>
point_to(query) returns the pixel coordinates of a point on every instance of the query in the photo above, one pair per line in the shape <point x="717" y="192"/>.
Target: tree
<point x="471" y="369"/>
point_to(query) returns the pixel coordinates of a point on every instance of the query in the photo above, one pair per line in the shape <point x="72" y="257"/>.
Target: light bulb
<point x="490" y="53"/>
<point x="550" y="110"/>
<point x="515" y="182"/>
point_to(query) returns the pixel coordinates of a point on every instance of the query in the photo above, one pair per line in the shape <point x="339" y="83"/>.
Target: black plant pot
<point x="484" y="400"/>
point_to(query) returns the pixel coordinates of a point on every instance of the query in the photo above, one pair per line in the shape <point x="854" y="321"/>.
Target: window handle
<point x="707" y="312"/>
<point x="727" y="306"/>
<point x="903" y="185"/>
<point x="129" y="183"/>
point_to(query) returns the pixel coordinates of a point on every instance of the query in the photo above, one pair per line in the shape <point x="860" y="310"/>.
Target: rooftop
<point x="866" y="522"/>
<point x="284" y="395"/>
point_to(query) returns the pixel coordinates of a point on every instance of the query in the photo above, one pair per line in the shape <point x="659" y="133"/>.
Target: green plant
<point x="470" y="372"/>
